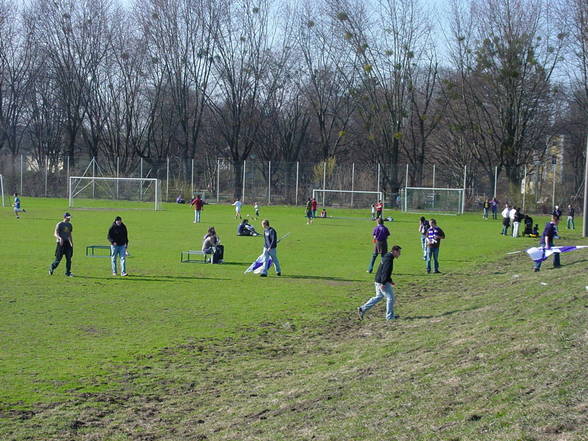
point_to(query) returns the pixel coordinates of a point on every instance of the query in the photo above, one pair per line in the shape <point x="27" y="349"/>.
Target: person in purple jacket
<point x="549" y="233"/>
<point x="380" y="239"/>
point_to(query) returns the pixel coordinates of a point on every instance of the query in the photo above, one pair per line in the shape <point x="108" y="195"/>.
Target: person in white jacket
<point x="237" y="205"/>
<point x="505" y="220"/>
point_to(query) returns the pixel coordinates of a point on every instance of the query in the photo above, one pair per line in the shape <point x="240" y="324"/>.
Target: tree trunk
<point x="237" y="179"/>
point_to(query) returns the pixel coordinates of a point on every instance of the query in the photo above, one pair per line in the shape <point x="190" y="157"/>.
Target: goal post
<point x="433" y="199"/>
<point x="146" y="190"/>
<point x="350" y="198"/>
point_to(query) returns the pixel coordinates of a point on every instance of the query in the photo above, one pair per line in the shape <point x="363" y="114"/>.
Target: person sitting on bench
<point x="246" y="229"/>
<point x="211" y="245"/>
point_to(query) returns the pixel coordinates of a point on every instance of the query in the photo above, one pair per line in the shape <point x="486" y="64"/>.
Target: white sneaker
<point x="123" y="274"/>
<point x="114" y="274"/>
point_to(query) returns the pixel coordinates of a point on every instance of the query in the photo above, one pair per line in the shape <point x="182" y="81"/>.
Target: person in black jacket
<point x="119" y="240"/>
<point x="384" y="284"/>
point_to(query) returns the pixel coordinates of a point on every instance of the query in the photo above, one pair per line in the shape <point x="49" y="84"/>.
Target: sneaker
<point x="69" y="275"/>
<point x="114" y="274"/>
<point x="263" y="275"/>
<point x="437" y="272"/>
<point x="50" y="270"/>
<point x="536" y="270"/>
<point x="369" y="271"/>
<point x="360" y="313"/>
<point x="123" y="274"/>
<point x="278" y="274"/>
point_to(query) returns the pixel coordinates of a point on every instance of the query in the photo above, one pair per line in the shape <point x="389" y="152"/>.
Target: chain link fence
<point x="545" y="183"/>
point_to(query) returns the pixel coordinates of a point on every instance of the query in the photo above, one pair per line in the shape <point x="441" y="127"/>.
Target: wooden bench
<point x="91" y="250"/>
<point x="185" y="257"/>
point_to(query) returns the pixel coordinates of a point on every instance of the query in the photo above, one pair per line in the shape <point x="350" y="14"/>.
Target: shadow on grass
<point x="446" y="313"/>
<point x="141" y="278"/>
<point x="335" y="279"/>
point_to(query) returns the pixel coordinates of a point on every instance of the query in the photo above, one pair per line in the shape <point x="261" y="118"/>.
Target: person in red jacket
<point x="313" y="205"/>
<point x="197" y="203"/>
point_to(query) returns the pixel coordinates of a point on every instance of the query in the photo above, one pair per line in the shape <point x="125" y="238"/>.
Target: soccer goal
<point x="347" y="198"/>
<point x="81" y="189"/>
<point x="442" y="200"/>
<point x="2" y="189"/>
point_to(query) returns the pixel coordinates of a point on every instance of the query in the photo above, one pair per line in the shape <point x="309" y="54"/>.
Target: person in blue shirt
<point x="16" y="206"/>
<point x="270" y="249"/>
<point x="549" y="233"/>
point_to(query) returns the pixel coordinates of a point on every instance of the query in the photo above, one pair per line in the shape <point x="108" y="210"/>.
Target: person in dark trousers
<point x="379" y="209"/>
<point x="309" y="216"/>
<point x="434" y="236"/>
<point x="571" y="214"/>
<point x="270" y="249"/>
<point x="556" y="211"/>
<point x="211" y="244"/>
<point x="384" y="285"/>
<point x="119" y="240"/>
<point x="380" y="240"/>
<point x="246" y="229"/>
<point x="549" y="233"/>
<point x="63" y="234"/>
<point x="485" y="206"/>
<point x="494" y="207"/>
<point x="528" y="225"/>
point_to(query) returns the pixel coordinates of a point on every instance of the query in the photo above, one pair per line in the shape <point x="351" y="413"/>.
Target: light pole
<point x="553" y="163"/>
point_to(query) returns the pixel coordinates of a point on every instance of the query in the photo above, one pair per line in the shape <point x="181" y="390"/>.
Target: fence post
<point x="465" y="174"/>
<point x="406" y="178"/>
<point x="167" y="178"/>
<point x="378" y="183"/>
<point x="243" y="192"/>
<point x="525" y="188"/>
<point x="192" y="179"/>
<point x="297" y="172"/>
<point x="93" y="176"/>
<point x="585" y="228"/>
<point x="46" y="173"/>
<point x="352" y="181"/>
<point x="324" y="180"/>
<point x="269" y="182"/>
<point x="217" y="180"/>
<point x="495" y="179"/>
<point x="141" y="181"/>
<point x="21" y="172"/>
<point x="434" y="176"/>
<point x="117" y="175"/>
<point x="553" y="163"/>
<point x="67" y="175"/>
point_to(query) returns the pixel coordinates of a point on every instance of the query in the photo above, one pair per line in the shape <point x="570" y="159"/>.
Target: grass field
<point x="488" y="350"/>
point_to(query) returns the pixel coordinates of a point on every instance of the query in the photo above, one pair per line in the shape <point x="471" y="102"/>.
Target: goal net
<point x="347" y="198"/>
<point x="442" y="200"/>
<point x="88" y="191"/>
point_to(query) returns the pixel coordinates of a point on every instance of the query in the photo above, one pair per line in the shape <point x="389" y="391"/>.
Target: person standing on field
<point x="256" y="208"/>
<point x="237" y="205"/>
<point x="313" y="205"/>
<point x="434" y="236"/>
<point x="379" y="209"/>
<point x="270" y="237"/>
<point x="198" y="204"/>
<point x="505" y="220"/>
<point x="486" y="206"/>
<point x="384" y="285"/>
<point x="308" y="211"/>
<point x="516" y="217"/>
<point x="423" y="228"/>
<point x="494" y="207"/>
<point x="549" y="234"/>
<point x="16" y="206"/>
<point x="63" y="234"/>
<point x="571" y="213"/>
<point x="380" y="239"/>
<point x="119" y="240"/>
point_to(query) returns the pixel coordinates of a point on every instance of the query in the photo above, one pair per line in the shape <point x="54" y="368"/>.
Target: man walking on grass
<point x="546" y="243"/>
<point x="63" y="234"/>
<point x="119" y="240"/>
<point x="380" y="240"/>
<point x="384" y="285"/>
<point x="270" y="249"/>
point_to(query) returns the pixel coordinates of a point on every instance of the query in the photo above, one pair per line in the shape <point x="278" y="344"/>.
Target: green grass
<point x="486" y="350"/>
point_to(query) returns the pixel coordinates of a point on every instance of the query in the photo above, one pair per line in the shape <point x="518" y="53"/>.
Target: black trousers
<point x="63" y="250"/>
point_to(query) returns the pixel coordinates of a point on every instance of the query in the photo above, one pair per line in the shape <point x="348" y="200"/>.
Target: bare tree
<point x="505" y="55"/>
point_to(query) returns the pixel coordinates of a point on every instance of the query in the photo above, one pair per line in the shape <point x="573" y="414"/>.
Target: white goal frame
<point x="461" y="192"/>
<point x="380" y="194"/>
<point x="2" y="189"/>
<point x="73" y="191"/>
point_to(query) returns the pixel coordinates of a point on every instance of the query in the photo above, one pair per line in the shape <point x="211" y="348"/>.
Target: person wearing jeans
<point x="384" y="286"/>
<point x="380" y="239"/>
<point x="434" y="236"/>
<point x="546" y="243"/>
<point x="571" y="213"/>
<point x="270" y="249"/>
<point x="119" y="240"/>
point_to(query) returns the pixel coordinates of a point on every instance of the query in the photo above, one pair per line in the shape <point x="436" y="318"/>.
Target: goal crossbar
<point x="380" y="194"/>
<point x="75" y="181"/>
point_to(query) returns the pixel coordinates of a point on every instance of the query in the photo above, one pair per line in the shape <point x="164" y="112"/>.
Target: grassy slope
<point x="478" y="354"/>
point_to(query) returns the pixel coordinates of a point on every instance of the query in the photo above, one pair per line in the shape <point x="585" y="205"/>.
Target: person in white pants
<point x="516" y="221"/>
<point x="237" y="205"/>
